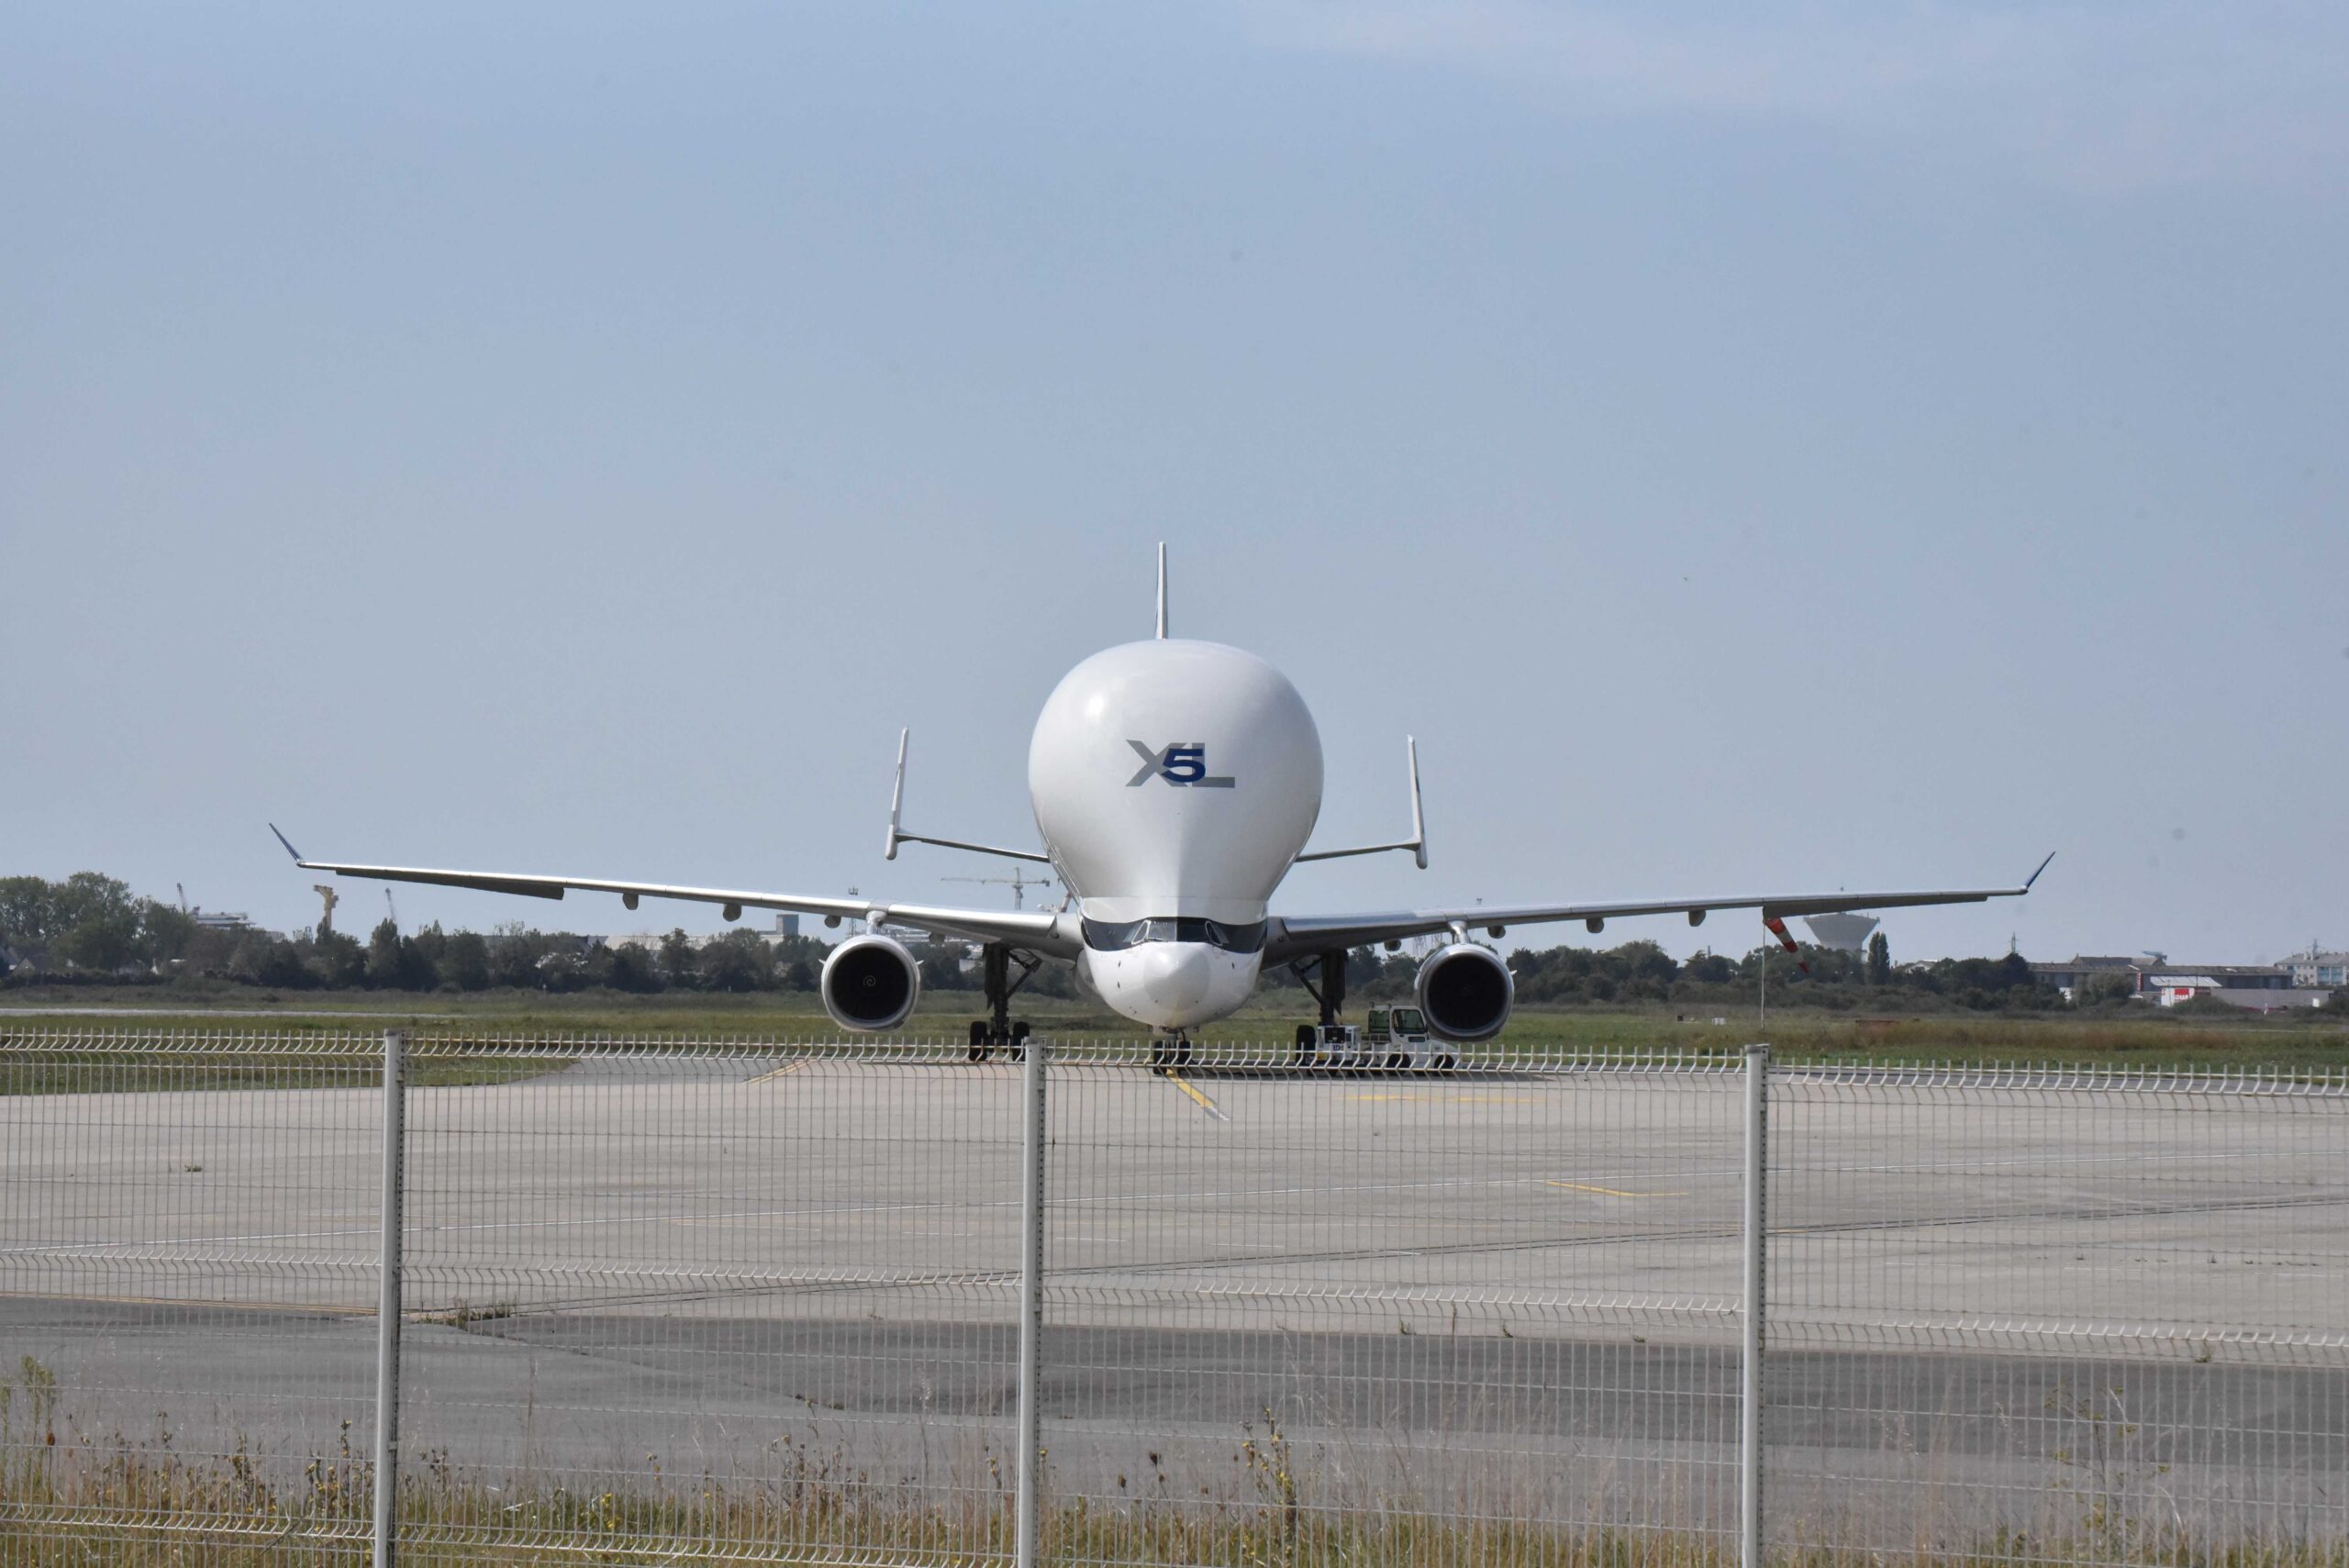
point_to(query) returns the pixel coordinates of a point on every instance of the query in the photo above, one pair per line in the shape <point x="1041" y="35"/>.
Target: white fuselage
<point x="1175" y="782"/>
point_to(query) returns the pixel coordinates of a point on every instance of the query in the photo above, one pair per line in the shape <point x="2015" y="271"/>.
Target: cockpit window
<point x="1109" y="936"/>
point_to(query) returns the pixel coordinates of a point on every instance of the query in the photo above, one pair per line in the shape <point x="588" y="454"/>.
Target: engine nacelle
<point x="1466" y="992"/>
<point x="870" y="983"/>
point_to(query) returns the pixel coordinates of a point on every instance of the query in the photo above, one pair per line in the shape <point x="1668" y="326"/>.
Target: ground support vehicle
<point x="1394" y="1039"/>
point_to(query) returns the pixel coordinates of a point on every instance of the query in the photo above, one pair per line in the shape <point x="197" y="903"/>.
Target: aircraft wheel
<point x="1019" y="1032"/>
<point x="978" y="1040"/>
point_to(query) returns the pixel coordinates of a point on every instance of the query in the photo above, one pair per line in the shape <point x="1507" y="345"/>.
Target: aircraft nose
<point x="1175" y="975"/>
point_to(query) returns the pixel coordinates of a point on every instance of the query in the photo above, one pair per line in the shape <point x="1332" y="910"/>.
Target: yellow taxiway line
<point x="1198" y="1099"/>
<point x="1611" y="1192"/>
<point x="783" y="1072"/>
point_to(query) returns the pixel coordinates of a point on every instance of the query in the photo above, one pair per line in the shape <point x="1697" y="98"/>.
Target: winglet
<point x="289" y="848"/>
<point x="897" y="797"/>
<point x="1162" y="589"/>
<point x="1419" y="818"/>
<point x="2034" y="875"/>
<point x="1417" y="843"/>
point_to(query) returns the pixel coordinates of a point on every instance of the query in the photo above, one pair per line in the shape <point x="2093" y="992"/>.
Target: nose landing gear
<point x="998" y="1028"/>
<point x="1171" y="1050"/>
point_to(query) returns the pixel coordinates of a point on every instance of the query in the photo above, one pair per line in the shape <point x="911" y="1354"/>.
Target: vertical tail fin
<point x="1162" y="588"/>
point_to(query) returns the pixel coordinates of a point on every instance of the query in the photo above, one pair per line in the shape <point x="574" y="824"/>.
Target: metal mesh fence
<point x="716" y="1297"/>
<point x="2036" y="1317"/>
<point x="188" y="1241"/>
<point x="1458" y="1316"/>
<point x="737" y="1300"/>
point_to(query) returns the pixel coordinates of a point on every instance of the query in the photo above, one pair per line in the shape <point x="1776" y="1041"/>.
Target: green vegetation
<point x="69" y="1495"/>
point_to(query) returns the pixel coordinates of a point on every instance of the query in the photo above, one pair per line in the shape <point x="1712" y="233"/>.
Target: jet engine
<point x="1466" y="992"/>
<point x="870" y="983"/>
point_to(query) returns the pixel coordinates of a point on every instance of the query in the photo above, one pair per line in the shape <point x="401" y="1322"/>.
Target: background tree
<point x="1879" y="961"/>
<point x="514" y="955"/>
<point x="735" y="962"/>
<point x="1710" y="969"/>
<point x="384" y="954"/>
<point x="678" y="965"/>
<point x="27" y="912"/>
<point x="562" y="969"/>
<point x="2104" y="990"/>
<point x="165" y="934"/>
<point x="91" y="922"/>
<point x="464" y="962"/>
<point x="337" y="961"/>
<point x="631" y="968"/>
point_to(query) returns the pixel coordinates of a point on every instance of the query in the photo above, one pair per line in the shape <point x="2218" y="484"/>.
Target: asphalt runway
<point x="1480" y="1291"/>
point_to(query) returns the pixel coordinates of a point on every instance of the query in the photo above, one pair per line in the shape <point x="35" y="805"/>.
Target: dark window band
<point x="1109" y="936"/>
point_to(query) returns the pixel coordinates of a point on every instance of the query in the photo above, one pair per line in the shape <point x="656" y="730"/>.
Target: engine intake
<point x="870" y="983"/>
<point x="1466" y="992"/>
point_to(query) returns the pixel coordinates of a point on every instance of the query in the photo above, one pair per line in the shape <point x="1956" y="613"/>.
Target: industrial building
<point x="2156" y="977"/>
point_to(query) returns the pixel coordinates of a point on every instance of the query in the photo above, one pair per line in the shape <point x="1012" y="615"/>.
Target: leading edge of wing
<point x="1033" y="930"/>
<point x="1319" y="932"/>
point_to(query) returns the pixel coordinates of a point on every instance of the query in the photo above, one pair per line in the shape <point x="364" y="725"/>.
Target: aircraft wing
<point x="1298" y="936"/>
<point x="1038" y="931"/>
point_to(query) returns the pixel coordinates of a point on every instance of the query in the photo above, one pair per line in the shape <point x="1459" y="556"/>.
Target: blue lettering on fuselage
<point x="1183" y="764"/>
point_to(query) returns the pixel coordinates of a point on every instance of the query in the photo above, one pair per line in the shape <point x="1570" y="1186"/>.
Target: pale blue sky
<point x="1754" y="448"/>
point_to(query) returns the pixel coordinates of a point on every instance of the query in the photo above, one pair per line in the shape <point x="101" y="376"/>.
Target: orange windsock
<point x="1778" y="929"/>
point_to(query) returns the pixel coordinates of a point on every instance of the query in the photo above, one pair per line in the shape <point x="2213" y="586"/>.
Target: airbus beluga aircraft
<point x="1175" y="785"/>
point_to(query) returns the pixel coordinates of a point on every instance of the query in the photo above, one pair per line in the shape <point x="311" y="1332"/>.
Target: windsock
<point x="1778" y="929"/>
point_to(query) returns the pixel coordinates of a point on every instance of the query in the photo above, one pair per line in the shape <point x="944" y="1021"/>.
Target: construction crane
<point x="326" y="917"/>
<point x="1018" y="884"/>
<point x="391" y="909"/>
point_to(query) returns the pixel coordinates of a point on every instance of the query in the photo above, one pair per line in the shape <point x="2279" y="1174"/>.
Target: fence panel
<point x="724" y="1297"/>
<point x="748" y="1300"/>
<point x="1481" y="1316"/>
<point x="2042" y="1315"/>
<point x="188" y="1232"/>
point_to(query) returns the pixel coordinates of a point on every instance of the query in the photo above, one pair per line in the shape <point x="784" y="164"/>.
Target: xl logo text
<point x="1183" y="764"/>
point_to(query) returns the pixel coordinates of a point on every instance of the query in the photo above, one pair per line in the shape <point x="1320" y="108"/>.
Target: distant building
<point x="2155" y="972"/>
<point x="2071" y="974"/>
<point x="2169" y="990"/>
<point x="228" y="924"/>
<point x="786" y="929"/>
<point x="2313" y="970"/>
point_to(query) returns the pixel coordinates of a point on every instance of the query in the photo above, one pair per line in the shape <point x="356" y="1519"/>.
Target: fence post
<point x="387" y="1304"/>
<point x="1031" y="1306"/>
<point x="1756" y="1313"/>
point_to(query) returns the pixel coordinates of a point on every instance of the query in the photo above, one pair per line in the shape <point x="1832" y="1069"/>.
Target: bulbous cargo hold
<point x="1466" y="992"/>
<point x="870" y="983"/>
<point x="1174" y="778"/>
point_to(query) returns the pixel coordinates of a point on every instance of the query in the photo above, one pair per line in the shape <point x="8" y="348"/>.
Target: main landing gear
<point x="1324" y="979"/>
<point x="997" y="1028"/>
